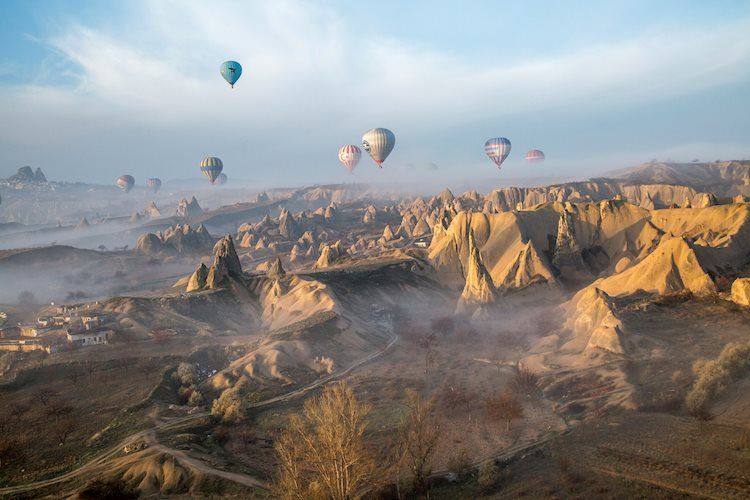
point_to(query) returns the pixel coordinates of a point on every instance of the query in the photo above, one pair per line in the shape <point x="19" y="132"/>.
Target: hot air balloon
<point x="154" y="184"/>
<point x="378" y="142"/>
<point x="221" y="179"/>
<point x="211" y="167"/>
<point x="231" y="71"/>
<point x="349" y="155"/>
<point x="535" y="156"/>
<point x="498" y="149"/>
<point x="125" y="182"/>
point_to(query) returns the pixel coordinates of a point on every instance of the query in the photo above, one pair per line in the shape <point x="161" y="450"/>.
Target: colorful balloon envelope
<point x="349" y="155"/>
<point x="154" y="184"/>
<point x="498" y="149"/>
<point x="231" y="71"/>
<point x="378" y="142"/>
<point x="221" y="179"/>
<point x="535" y="156"/>
<point x="211" y="167"/>
<point x="125" y="182"/>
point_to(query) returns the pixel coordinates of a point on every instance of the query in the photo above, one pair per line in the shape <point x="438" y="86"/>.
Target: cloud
<point x="150" y="88"/>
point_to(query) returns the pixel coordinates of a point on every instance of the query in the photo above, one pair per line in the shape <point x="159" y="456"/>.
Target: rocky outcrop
<point x="479" y="291"/>
<point x="275" y="269"/>
<point x="82" y="224"/>
<point x="593" y="323"/>
<point x="197" y="280"/>
<point x="288" y="227"/>
<point x="226" y="266"/>
<point x="567" y="256"/>
<point x="188" y="209"/>
<point x="330" y="255"/>
<point x="27" y="175"/>
<point x="152" y="211"/>
<point x="741" y="291"/>
<point x="705" y="200"/>
<point x="179" y="239"/>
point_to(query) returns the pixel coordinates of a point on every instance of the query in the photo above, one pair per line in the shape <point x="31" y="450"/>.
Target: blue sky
<point x="90" y="90"/>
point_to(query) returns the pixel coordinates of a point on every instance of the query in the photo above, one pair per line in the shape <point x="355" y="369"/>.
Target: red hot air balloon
<point x="349" y="155"/>
<point x="535" y="156"/>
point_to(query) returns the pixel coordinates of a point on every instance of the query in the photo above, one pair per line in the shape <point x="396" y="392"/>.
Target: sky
<point x="92" y="90"/>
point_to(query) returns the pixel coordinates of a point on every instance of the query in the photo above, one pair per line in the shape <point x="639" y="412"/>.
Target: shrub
<point x="714" y="377"/>
<point x="196" y="398"/>
<point x="524" y="380"/>
<point x="488" y="475"/>
<point x="229" y="407"/>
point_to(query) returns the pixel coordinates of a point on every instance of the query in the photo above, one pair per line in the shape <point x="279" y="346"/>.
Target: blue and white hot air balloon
<point x="498" y="149"/>
<point x="231" y="71"/>
<point x="211" y="167"/>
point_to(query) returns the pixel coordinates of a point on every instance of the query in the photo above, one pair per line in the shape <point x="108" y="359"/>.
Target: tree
<point x="322" y="452"/>
<point x="418" y="439"/>
<point x="45" y="395"/>
<point x="230" y="406"/>
<point x="58" y="409"/>
<point x="505" y="407"/>
<point x="11" y="451"/>
<point x="427" y="342"/>
<point x="63" y="429"/>
<point x="524" y="380"/>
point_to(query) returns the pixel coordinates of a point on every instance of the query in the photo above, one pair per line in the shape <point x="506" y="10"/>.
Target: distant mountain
<point x="723" y="178"/>
<point x="26" y="174"/>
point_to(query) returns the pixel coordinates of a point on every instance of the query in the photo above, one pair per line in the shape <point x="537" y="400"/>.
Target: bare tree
<point x="45" y="395"/>
<point x="322" y="452"/>
<point x="419" y="437"/>
<point x="427" y="342"/>
<point x="11" y="451"/>
<point x="505" y="407"/>
<point x="17" y="410"/>
<point x="58" y="409"/>
<point x="63" y="429"/>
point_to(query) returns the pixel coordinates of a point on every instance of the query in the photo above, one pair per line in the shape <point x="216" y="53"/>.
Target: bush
<point x="186" y="374"/>
<point x="524" y="380"/>
<point x="714" y="377"/>
<point x="196" y="398"/>
<point x="229" y="407"/>
<point x="488" y="475"/>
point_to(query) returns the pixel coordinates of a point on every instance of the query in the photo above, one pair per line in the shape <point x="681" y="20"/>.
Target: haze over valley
<point x="468" y="303"/>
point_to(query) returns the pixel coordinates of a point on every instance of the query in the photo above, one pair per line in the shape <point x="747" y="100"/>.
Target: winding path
<point x="149" y="436"/>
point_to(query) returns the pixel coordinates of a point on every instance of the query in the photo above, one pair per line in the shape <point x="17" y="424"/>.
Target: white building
<point x="88" y="338"/>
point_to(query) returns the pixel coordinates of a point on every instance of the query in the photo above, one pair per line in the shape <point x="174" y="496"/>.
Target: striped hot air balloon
<point x="231" y="71"/>
<point x="154" y="184"/>
<point x="498" y="149"/>
<point x="125" y="182"/>
<point x="221" y="179"/>
<point x="378" y="142"/>
<point x="211" y="167"/>
<point x="535" y="156"/>
<point x="349" y="155"/>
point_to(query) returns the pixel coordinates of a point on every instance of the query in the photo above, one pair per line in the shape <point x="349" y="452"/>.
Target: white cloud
<point x="309" y="80"/>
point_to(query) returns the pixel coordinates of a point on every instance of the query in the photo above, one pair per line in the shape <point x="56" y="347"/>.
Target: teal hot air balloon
<point x="231" y="71"/>
<point x="211" y="167"/>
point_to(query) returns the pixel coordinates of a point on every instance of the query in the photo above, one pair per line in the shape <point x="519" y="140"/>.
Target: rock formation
<point x="329" y="255"/>
<point x="741" y="291"/>
<point x="188" y="209"/>
<point x="479" y="291"/>
<point x="180" y="239"/>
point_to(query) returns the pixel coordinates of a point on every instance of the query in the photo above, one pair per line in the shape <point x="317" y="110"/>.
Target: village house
<point x="88" y="338"/>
